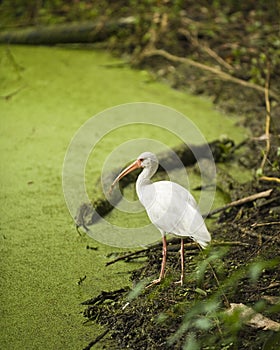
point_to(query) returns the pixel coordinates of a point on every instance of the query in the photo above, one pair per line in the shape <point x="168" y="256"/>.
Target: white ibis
<point x="170" y="207"/>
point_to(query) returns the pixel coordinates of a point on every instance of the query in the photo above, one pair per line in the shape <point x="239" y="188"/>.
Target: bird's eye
<point x="141" y="159"/>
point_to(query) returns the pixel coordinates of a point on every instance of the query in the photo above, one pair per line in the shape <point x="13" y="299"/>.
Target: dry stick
<point x="221" y="74"/>
<point x="266" y="224"/>
<point x="267" y="118"/>
<point x="256" y="251"/>
<point x="227" y="303"/>
<point x="205" y="48"/>
<point x="272" y="285"/>
<point x="154" y="246"/>
<point x="125" y="256"/>
<point x="189" y="246"/>
<point x="240" y="202"/>
<point x="256" y="235"/>
<point x="268" y="178"/>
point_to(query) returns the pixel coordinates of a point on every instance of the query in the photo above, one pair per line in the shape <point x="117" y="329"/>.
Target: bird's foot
<point x="157" y="281"/>
<point x="181" y="281"/>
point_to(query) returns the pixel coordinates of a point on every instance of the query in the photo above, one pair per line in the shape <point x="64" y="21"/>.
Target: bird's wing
<point x="173" y="209"/>
<point x="177" y="191"/>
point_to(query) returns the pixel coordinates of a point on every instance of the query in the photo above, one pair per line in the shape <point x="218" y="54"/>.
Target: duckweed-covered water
<point x="46" y="95"/>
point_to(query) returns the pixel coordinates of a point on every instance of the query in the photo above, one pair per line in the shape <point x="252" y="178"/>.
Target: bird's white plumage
<point x="170" y="207"/>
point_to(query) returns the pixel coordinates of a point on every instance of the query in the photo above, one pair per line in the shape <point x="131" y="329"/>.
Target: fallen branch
<point x="127" y="256"/>
<point x="151" y="247"/>
<point x="222" y="75"/>
<point x="173" y="244"/>
<point x="84" y="32"/>
<point x="114" y="295"/>
<point x="252" y="318"/>
<point x="240" y="202"/>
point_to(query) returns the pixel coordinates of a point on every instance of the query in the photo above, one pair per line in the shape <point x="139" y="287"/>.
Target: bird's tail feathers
<point x="202" y="236"/>
<point x="203" y="244"/>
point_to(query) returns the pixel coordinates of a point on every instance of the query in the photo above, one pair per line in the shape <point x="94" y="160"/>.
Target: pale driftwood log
<point x="252" y="318"/>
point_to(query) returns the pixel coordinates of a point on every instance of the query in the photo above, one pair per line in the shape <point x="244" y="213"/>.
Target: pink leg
<point x="182" y="263"/>
<point x="164" y="254"/>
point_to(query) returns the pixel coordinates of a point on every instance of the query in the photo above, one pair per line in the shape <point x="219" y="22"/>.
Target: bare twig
<point x="127" y="256"/>
<point x="112" y="295"/>
<point x="195" y="42"/>
<point x="191" y="246"/>
<point x="222" y="75"/>
<point x="267" y="178"/>
<point x="155" y="246"/>
<point x="271" y="286"/>
<point x="240" y="202"/>
<point x="234" y="243"/>
<point x="266" y="224"/>
<point x="267" y="118"/>
<point x="264" y="236"/>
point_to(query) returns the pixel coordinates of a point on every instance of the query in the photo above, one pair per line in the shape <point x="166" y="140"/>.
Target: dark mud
<point x="245" y="257"/>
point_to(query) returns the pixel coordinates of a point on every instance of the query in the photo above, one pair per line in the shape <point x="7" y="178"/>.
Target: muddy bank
<point x="240" y="267"/>
<point x="245" y="252"/>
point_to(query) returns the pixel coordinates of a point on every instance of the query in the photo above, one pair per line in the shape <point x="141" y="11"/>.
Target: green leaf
<point x="259" y="172"/>
<point x="256" y="270"/>
<point x="201" y="291"/>
<point x="203" y="323"/>
<point x="191" y="343"/>
<point x="136" y="290"/>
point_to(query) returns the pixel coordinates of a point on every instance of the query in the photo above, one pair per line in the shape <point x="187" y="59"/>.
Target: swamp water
<point x="46" y="95"/>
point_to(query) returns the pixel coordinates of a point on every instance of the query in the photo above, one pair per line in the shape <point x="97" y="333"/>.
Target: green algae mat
<point x="47" y="269"/>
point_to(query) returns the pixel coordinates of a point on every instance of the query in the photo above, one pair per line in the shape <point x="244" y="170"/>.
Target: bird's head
<point x="145" y="160"/>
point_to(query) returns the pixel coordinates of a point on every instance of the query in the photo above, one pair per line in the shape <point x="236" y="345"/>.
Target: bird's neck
<point x="144" y="179"/>
<point x="145" y="176"/>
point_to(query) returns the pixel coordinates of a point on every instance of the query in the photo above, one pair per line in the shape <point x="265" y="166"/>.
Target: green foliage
<point x="206" y="324"/>
<point x="191" y="343"/>
<point x="137" y="290"/>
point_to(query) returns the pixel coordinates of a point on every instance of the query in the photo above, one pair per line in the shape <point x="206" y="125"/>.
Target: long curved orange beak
<point x="129" y="169"/>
